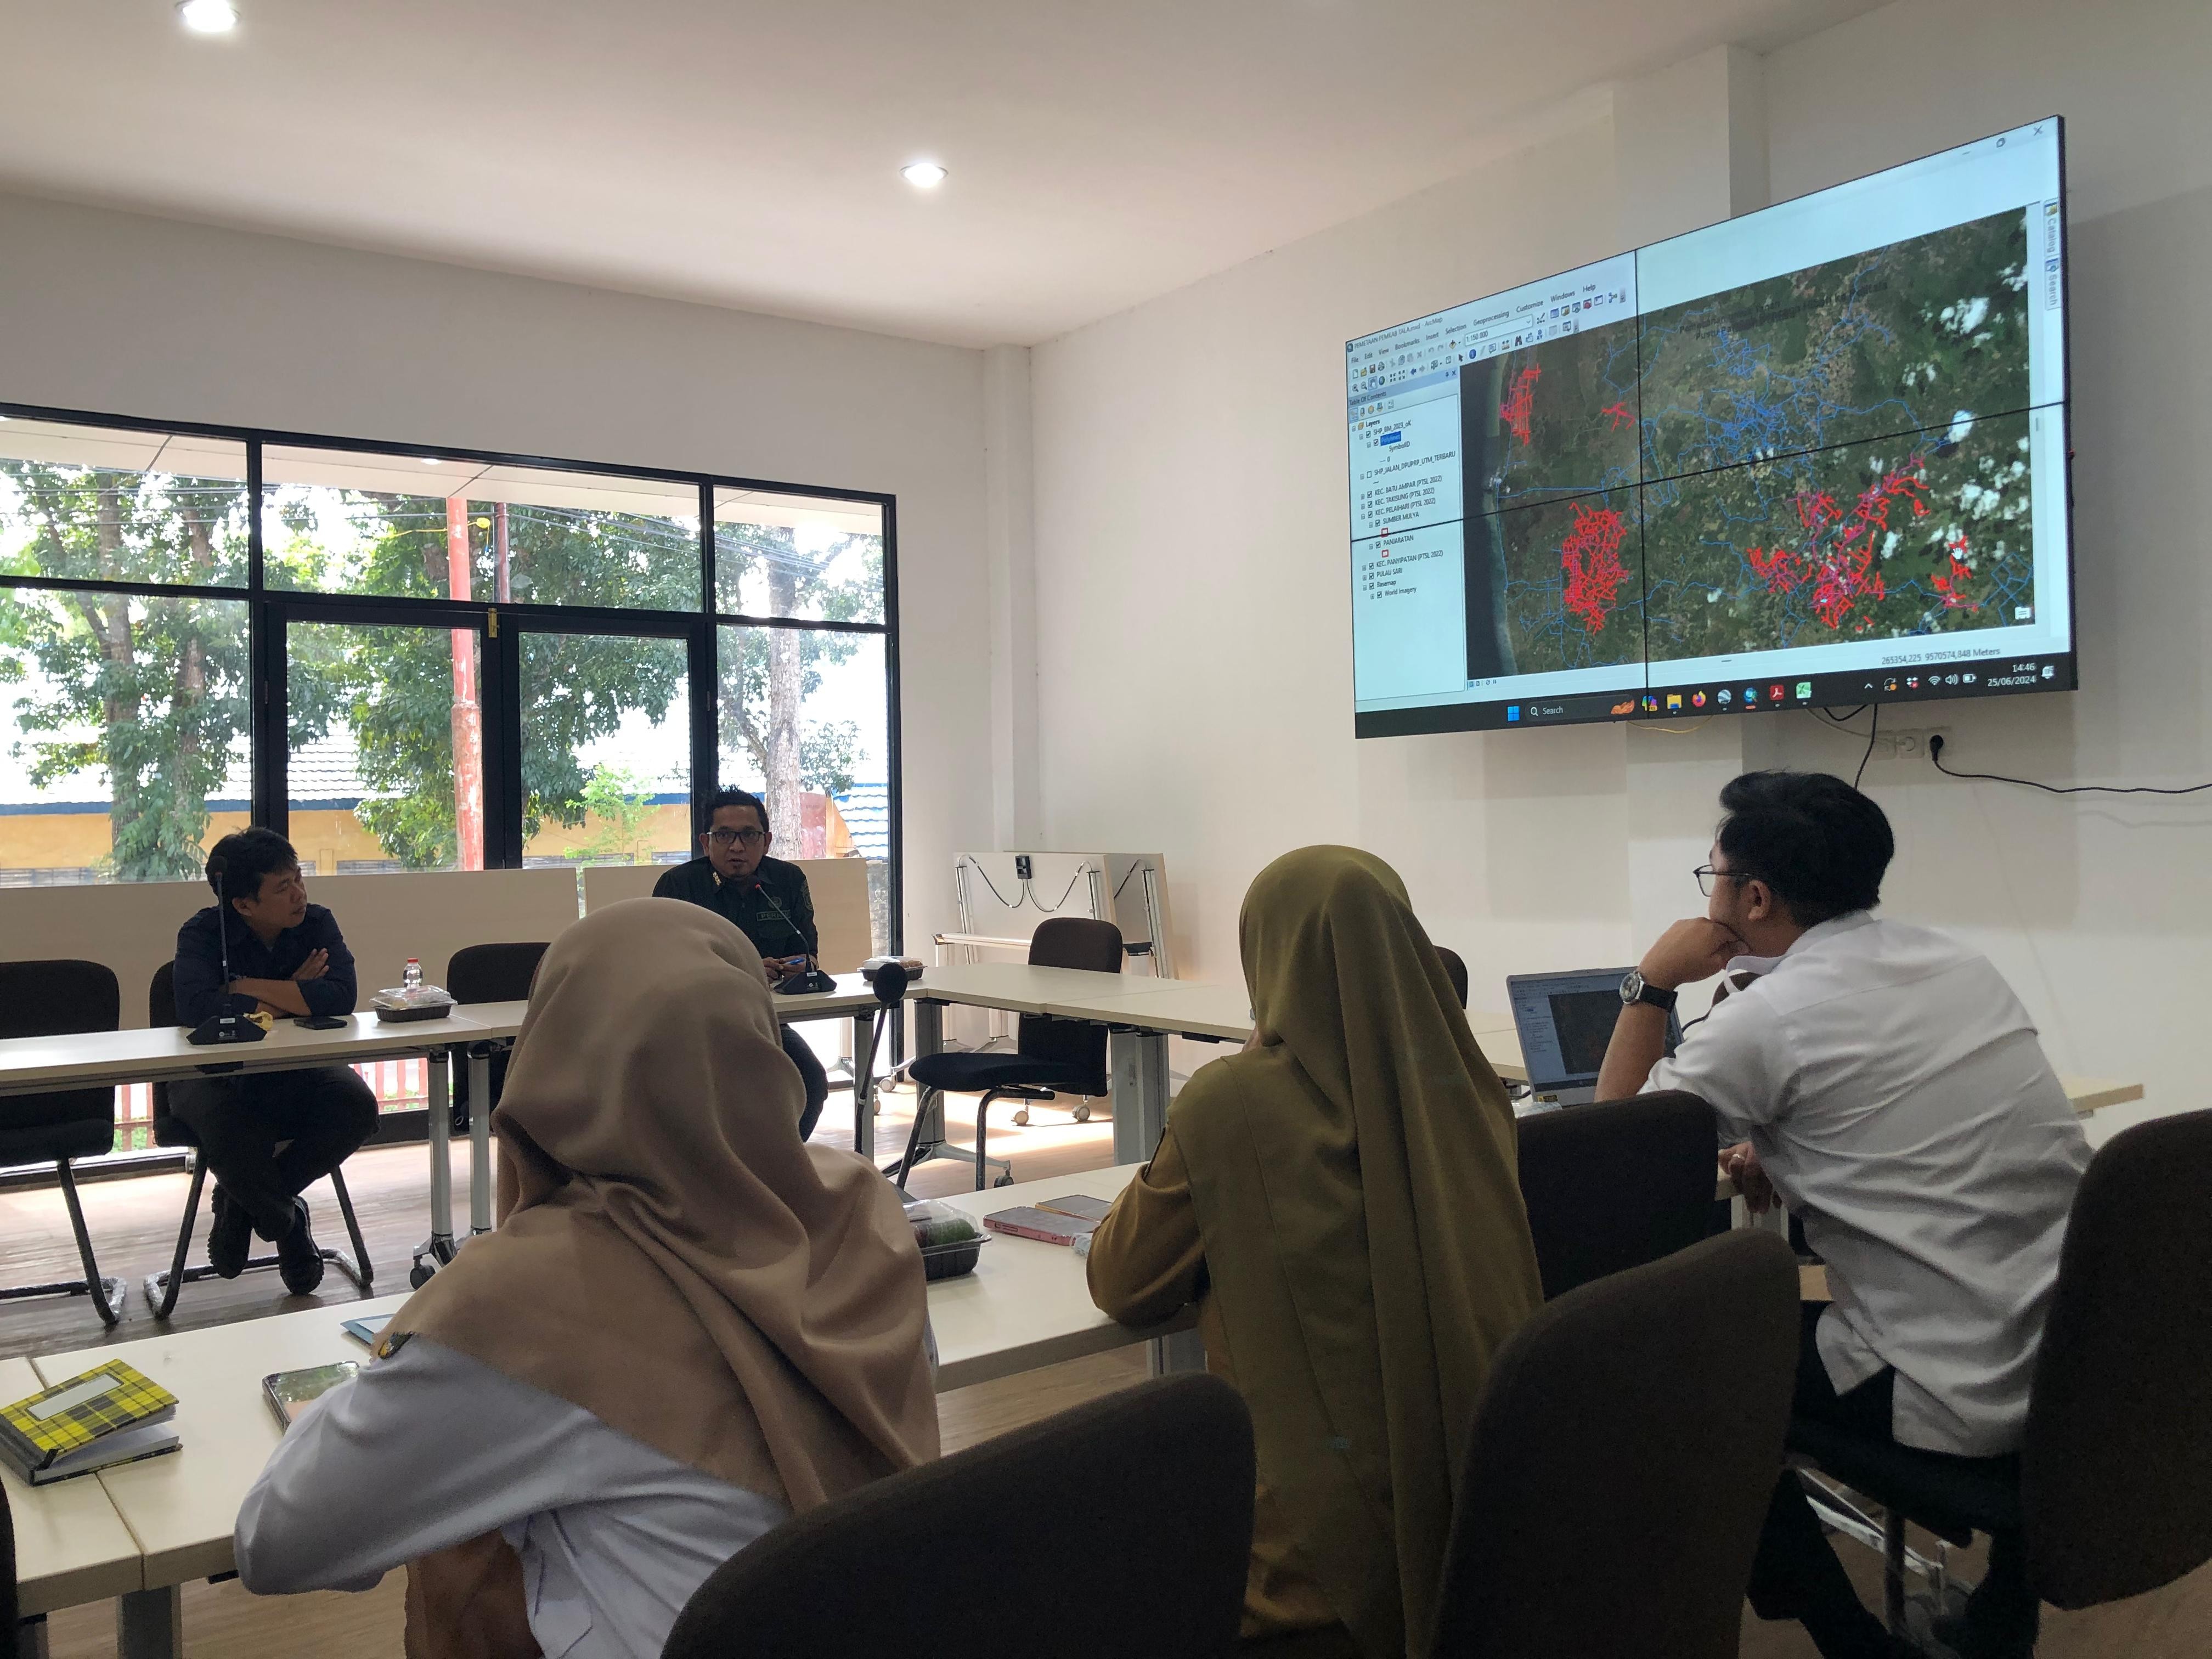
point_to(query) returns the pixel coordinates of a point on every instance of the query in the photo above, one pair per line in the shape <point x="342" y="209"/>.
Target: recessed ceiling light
<point x="208" y="16"/>
<point x="922" y="175"/>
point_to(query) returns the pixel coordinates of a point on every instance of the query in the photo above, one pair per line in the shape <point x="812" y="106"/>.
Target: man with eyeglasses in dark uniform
<point x="767" y="900"/>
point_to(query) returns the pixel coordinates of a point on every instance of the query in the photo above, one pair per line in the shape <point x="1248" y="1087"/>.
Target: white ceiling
<point x="747" y="154"/>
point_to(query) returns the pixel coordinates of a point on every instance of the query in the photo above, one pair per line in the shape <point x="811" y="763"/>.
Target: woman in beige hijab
<point x="688" y="1325"/>
<point x="1341" y="1200"/>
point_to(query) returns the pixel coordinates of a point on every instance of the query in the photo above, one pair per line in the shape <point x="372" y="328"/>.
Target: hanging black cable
<point x="1936" y="755"/>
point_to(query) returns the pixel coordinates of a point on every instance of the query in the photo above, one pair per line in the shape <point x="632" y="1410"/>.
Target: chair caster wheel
<point x="419" y="1275"/>
<point x="1083" y="1115"/>
<point x="1004" y="1181"/>
<point x="1022" y="1117"/>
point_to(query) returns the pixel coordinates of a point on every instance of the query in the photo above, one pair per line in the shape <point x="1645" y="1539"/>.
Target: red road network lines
<point x="1521" y="403"/>
<point x="1838" y="551"/>
<point x="1590" y="555"/>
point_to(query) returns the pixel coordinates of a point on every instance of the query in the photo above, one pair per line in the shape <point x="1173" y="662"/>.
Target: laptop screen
<point x="1565" y="1021"/>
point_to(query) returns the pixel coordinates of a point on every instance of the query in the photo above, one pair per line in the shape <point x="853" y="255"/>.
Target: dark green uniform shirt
<point x="772" y="908"/>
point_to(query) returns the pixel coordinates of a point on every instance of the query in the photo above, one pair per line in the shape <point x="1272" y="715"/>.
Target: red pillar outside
<point x="468" y="710"/>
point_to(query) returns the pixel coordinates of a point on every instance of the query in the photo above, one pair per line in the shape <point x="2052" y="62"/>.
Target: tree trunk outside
<point x="784" y="679"/>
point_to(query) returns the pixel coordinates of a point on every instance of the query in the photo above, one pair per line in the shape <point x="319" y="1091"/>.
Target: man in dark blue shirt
<point x="288" y="957"/>
<point x="767" y="900"/>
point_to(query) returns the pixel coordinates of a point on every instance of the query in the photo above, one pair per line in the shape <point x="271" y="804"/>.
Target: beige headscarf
<point x="1356" y="1191"/>
<point x="671" y="1257"/>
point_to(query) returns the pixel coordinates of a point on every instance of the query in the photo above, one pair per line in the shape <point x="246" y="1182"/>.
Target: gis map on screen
<point x="1816" y="455"/>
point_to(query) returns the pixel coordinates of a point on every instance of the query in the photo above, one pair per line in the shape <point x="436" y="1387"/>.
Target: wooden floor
<point x="133" y="1224"/>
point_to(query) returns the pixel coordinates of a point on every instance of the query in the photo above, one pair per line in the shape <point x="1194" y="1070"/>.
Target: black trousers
<point x="1796" y="1574"/>
<point x="325" y="1113"/>
<point x="811" y="1074"/>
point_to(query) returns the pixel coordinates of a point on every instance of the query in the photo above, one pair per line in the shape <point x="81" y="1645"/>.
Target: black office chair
<point x="1615" y="1185"/>
<point x="489" y="973"/>
<point x="994" y="1553"/>
<point x="1455" y="971"/>
<point x="2112" y="1485"/>
<point x="1621" y="1462"/>
<point x="55" y="998"/>
<point x="1050" y="1055"/>
<point x="171" y="1131"/>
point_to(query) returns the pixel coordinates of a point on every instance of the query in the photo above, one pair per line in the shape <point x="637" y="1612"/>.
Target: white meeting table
<point x="1141" y="1012"/>
<point x="92" y="1059"/>
<point x="1027" y="1305"/>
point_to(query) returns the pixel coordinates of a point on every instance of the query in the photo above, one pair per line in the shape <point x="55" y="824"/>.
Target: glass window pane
<point x="805" y="725"/>
<point x="124" y="738"/>
<point x="340" y="522"/>
<point x="798" y="555"/>
<point x="104" y="504"/>
<point x="376" y="715"/>
<point x="606" y="750"/>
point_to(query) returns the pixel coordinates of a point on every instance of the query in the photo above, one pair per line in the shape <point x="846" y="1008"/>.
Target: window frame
<point x="269" y="610"/>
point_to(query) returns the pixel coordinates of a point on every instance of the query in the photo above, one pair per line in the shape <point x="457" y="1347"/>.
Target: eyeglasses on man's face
<point x="745" y="837"/>
<point x="1707" y="876"/>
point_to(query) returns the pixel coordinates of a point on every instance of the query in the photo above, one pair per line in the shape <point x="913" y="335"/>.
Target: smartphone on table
<point x="290" y="1392"/>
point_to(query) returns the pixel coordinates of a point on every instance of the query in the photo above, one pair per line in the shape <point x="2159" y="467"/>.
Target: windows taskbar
<point x="1993" y="677"/>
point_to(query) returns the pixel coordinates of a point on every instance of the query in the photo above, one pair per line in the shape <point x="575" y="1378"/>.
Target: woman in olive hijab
<point x="1341" y="1200"/>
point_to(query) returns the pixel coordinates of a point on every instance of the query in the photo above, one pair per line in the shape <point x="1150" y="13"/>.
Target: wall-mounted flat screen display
<point x="1813" y="456"/>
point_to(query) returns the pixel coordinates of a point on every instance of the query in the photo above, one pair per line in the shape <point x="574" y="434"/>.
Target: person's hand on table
<point x="314" y="967"/>
<point x="1741" y="1164"/>
<point x="1694" y="948"/>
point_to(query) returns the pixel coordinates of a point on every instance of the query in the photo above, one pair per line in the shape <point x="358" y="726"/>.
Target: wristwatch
<point x="1633" y="990"/>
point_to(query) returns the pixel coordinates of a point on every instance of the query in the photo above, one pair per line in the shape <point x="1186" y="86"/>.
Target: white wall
<point x="123" y="314"/>
<point x="1193" y="593"/>
<point x="1193" y="596"/>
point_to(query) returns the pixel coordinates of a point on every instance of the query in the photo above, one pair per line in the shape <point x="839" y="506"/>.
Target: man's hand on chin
<point x="1694" y="948"/>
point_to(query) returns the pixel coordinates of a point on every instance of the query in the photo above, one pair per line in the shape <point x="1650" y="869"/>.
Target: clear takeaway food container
<point x="950" y="1240"/>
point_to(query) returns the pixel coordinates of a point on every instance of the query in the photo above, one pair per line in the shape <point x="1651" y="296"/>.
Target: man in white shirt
<point x="1885" y="1081"/>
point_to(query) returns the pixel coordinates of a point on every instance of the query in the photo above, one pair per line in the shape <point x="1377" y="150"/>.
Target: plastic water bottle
<point x="412" y="979"/>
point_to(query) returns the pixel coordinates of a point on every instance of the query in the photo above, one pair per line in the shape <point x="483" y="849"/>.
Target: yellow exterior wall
<point x="41" y="840"/>
<point x="324" y="836"/>
<point x="666" y="830"/>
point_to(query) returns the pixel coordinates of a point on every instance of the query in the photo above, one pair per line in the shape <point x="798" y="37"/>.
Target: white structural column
<point x="1010" y="535"/>
<point x="1690" y="144"/>
<point x="1689" y="150"/>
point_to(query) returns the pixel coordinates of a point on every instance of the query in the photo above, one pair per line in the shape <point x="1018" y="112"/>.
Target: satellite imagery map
<point x="1838" y="453"/>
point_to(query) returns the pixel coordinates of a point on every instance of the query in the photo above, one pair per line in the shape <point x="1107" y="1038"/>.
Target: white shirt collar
<point x="1849" y="921"/>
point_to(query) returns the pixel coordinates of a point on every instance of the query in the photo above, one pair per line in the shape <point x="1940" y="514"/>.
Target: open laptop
<point x="1565" y="1022"/>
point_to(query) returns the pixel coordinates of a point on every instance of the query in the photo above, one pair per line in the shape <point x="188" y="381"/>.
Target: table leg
<point x="479" y="1143"/>
<point x="438" y="1248"/>
<point x="1182" y="1352"/>
<point x="150" y="1624"/>
<point x="929" y="1039"/>
<point x="1139" y="1063"/>
<point x="864" y="1088"/>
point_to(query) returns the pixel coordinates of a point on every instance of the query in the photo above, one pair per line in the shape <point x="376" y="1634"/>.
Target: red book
<point x="1041" y="1224"/>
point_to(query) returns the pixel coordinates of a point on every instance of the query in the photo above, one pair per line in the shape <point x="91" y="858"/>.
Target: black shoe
<point x="230" y="1241"/>
<point x="298" y="1262"/>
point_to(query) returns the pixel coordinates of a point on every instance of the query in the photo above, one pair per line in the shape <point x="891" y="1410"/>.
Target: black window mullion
<point x="894" y="810"/>
<point x="499" y="688"/>
<point x="705" y="664"/>
<point x="271" y="659"/>
<point x="707" y="596"/>
<point x="253" y="537"/>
